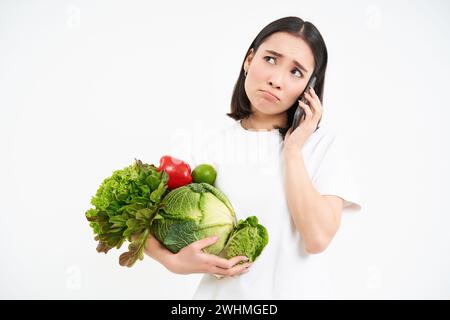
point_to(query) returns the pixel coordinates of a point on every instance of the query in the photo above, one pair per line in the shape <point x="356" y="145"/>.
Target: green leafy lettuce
<point x="124" y="205"/>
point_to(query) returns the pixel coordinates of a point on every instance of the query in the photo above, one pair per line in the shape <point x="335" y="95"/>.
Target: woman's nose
<point x="275" y="80"/>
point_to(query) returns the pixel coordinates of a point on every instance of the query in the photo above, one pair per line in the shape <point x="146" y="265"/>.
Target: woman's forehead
<point x="291" y="47"/>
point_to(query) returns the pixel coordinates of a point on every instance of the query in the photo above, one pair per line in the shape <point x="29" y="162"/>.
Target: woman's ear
<point x="248" y="60"/>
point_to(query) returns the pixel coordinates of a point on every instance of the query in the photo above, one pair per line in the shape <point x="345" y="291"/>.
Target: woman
<point x="295" y="181"/>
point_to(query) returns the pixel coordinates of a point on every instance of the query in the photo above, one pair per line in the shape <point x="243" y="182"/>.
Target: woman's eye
<point x="295" y="70"/>
<point x="269" y="58"/>
<point x="299" y="73"/>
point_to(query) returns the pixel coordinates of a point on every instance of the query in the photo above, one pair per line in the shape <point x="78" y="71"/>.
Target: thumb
<point x="203" y="243"/>
<point x="288" y="133"/>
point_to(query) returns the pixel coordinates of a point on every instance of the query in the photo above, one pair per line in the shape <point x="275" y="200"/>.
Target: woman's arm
<point x="155" y="250"/>
<point x="316" y="217"/>
<point x="192" y="259"/>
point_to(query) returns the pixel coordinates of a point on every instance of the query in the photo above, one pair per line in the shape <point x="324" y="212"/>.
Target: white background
<point x="87" y="86"/>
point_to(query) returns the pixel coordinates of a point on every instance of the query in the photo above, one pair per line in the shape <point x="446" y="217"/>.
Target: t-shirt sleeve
<point x="334" y="175"/>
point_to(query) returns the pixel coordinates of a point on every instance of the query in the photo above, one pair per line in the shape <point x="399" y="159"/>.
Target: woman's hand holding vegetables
<point x="191" y="259"/>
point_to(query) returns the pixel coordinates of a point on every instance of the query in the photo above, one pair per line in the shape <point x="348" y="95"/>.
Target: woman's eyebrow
<point x="281" y="56"/>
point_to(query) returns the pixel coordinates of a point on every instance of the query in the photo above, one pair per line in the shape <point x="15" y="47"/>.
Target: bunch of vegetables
<point x="175" y="206"/>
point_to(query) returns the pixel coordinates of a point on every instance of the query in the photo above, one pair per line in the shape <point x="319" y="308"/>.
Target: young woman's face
<point x="279" y="75"/>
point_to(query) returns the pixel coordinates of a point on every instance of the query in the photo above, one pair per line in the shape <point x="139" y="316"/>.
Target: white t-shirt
<point x="250" y="173"/>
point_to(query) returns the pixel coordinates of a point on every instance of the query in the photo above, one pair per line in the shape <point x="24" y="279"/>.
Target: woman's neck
<point x="258" y="123"/>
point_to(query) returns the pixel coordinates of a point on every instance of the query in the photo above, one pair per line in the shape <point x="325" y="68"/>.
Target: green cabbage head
<point x="191" y="213"/>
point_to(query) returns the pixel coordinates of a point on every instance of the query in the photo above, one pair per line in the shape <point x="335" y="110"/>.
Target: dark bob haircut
<point x="240" y="104"/>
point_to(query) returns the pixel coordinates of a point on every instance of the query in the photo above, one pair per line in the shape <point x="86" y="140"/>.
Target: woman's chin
<point x="267" y="107"/>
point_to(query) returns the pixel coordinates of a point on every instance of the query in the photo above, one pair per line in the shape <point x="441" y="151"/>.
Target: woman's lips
<point x="269" y="96"/>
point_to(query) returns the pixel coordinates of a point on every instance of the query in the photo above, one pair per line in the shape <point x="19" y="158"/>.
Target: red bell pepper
<point x="179" y="172"/>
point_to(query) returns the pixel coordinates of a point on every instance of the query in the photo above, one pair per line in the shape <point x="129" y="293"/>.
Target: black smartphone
<point x="299" y="114"/>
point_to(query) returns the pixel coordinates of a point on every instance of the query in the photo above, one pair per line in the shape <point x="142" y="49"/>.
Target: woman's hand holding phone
<point x="294" y="140"/>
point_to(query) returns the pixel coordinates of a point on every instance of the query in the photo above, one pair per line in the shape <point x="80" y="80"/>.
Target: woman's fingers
<point x="216" y="261"/>
<point x="311" y="101"/>
<point x="240" y="268"/>
<point x="307" y="109"/>
<point x="230" y="272"/>
<point x="210" y="263"/>
<point x="203" y="243"/>
<point x="315" y="96"/>
<point x="315" y="106"/>
<point x="226" y="267"/>
<point x="314" y="100"/>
